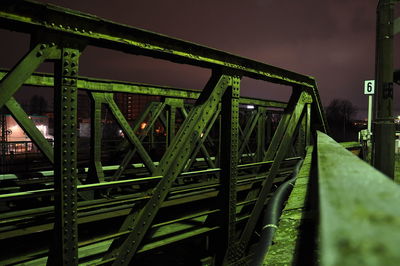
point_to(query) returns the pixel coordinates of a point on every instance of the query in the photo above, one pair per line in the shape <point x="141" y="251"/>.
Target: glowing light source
<point x="251" y="107"/>
<point x="143" y="125"/>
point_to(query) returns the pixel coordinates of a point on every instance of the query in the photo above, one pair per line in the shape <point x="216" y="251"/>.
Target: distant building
<point x="132" y="105"/>
<point x="15" y="133"/>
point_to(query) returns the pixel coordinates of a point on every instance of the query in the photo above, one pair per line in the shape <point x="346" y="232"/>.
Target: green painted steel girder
<point x="103" y="85"/>
<point x="30" y="16"/>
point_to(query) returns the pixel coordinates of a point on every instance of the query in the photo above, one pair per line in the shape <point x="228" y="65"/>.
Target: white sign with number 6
<point x="369" y="87"/>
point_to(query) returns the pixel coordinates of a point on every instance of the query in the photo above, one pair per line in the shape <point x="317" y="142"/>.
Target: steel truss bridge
<point x="206" y="192"/>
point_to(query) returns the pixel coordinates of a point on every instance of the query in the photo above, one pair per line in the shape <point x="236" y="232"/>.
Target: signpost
<point x="369" y="89"/>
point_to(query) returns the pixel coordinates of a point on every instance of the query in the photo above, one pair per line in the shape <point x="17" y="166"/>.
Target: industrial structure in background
<point x="196" y="177"/>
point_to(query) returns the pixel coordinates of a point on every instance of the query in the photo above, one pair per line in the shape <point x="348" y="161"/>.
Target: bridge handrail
<point x="359" y="210"/>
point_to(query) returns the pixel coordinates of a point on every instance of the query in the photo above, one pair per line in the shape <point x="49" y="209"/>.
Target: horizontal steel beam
<point x="44" y="19"/>
<point x="103" y="85"/>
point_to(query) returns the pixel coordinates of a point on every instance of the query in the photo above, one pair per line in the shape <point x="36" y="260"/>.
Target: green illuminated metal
<point x="200" y="145"/>
<point x="261" y="133"/>
<point x="64" y="250"/>
<point x="229" y="160"/>
<point x="155" y="109"/>
<point x="210" y="127"/>
<point x="23" y="70"/>
<point x="137" y="41"/>
<point x="29" y="127"/>
<point x="282" y="150"/>
<point x="126" y="128"/>
<point x="96" y="174"/>
<point x="103" y="85"/>
<point x="173" y="162"/>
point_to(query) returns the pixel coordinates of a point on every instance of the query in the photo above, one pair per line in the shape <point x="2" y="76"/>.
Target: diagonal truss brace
<point x="155" y="109"/>
<point x="24" y="69"/>
<point x="200" y="145"/>
<point x="284" y="145"/>
<point x="174" y="161"/>
<point x="247" y="133"/>
<point x="29" y="127"/>
<point x="126" y="128"/>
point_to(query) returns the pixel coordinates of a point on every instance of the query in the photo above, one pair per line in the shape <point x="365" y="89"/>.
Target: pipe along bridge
<point x="186" y="181"/>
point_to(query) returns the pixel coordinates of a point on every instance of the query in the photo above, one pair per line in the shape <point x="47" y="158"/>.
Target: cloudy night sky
<point x="331" y="40"/>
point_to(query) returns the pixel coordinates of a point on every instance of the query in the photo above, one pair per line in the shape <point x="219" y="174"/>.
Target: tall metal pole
<point x="384" y="128"/>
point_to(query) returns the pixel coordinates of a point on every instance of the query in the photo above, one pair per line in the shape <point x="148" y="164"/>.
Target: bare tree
<point x="340" y="113"/>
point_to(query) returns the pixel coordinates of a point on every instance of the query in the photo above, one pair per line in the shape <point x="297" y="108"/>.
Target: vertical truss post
<point x="96" y="174"/>
<point x="64" y="250"/>
<point x="308" y="124"/>
<point x="171" y="119"/>
<point x="269" y="127"/>
<point x="261" y="133"/>
<point x="303" y="134"/>
<point x="3" y="141"/>
<point x="384" y="127"/>
<point x="228" y="161"/>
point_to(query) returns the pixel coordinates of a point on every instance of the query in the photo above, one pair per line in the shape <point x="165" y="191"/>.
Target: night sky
<point x="331" y="40"/>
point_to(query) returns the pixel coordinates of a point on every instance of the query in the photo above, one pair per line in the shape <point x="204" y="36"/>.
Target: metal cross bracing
<point x="208" y="180"/>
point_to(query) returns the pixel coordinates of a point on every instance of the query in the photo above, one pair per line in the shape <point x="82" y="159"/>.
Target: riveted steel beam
<point x="200" y="145"/>
<point x="155" y="109"/>
<point x="172" y="104"/>
<point x="102" y="85"/>
<point x="126" y="128"/>
<point x="64" y="250"/>
<point x="95" y="173"/>
<point x="284" y="146"/>
<point x="14" y="79"/>
<point x="173" y="163"/>
<point x="250" y="126"/>
<point x="261" y="133"/>
<point x="272" y="148"/>
<point x="29" y="16"/>
<point x="229" y="160"/>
